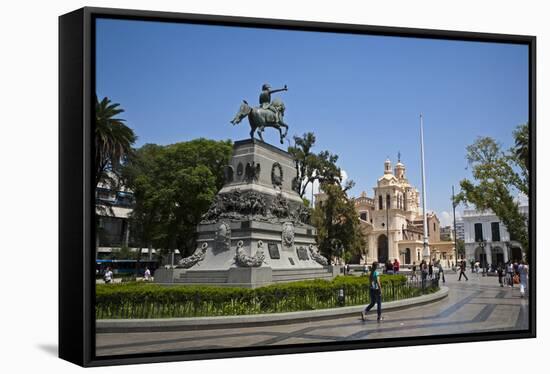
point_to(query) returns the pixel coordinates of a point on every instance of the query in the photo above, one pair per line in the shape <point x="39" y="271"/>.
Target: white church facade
<point x="392" y="222"/>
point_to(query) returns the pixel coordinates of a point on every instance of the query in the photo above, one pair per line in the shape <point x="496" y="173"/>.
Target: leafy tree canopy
<point x="173" y="186"/>
<point x="337" y="223"/>
<point x="313" y="167"/>
<point x="497" y="177"/>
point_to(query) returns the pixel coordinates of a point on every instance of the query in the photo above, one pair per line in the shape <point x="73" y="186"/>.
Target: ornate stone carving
<point x="236" y="205"/>
<point x="195" y="258"/>
<point x="244" y="260"/>
<point x="223" y="236"/>
<point x="240" y="169"/>
<point x="252" y="172"/>
<point x="301" y="252"/>
<point x="277" y="174"/>
<point x="317" y="257"/>
<point x="288" y="234"/>
<point x="228" y="173"/>
<point x="279" y="207"/>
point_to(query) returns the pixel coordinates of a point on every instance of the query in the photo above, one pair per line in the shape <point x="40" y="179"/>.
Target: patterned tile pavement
<point x="477" y="305"/>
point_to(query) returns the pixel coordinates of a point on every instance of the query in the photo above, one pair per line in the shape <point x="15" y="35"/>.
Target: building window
<point x="364" y="216"/>
<point x="434" y="228"/>
<point x="478" y="229"/>
<point x="380" y="202"/>
<point x="388" y="202"/>
<point x="495" y="231"/>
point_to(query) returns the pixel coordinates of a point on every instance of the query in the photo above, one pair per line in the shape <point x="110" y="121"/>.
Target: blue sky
<point x="361" y="95"/>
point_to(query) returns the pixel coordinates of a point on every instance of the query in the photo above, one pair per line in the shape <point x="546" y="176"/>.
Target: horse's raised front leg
<point x="281" y="134"/>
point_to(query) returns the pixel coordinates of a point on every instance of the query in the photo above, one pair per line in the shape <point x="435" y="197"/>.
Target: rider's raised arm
<point x="278" y="90"/>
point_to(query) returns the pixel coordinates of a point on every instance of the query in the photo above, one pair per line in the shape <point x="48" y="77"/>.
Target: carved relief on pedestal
<point x="195" y="258"/>
<point x="287" y="235"/>
<point x="223" y="236"/>
<point x="277" y="174"/>
<point x="317" y="257"/>
<point x="244" y="260"/>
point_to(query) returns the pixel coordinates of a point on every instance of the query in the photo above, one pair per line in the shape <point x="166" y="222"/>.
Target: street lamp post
<point x="507" y="243"/>
<point x="481" y="244"/>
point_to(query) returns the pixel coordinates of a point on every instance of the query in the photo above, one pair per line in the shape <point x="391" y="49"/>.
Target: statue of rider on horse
<point x="268" y="114"/>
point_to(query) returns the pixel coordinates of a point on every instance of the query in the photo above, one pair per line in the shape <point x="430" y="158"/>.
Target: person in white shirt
<point x="147" y="275"/>
<point x="108" y="276"/>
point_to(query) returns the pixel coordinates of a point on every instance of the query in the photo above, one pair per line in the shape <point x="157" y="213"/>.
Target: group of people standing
<point x="513" y="273"/>
<point x="426" y="269"/>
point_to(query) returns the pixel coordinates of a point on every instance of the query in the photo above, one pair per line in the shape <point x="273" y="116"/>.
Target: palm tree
<point x="113" y="139"/>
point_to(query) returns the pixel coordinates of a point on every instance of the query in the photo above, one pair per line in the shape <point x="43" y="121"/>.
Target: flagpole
<point x="454" y="225"/>
<point x="426" y="248"/>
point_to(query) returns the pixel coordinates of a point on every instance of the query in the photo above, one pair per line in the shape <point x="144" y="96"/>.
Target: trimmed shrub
<point x="146" y="300"/>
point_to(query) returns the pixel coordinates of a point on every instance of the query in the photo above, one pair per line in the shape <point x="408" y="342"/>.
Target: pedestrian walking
<point x="424" y="272"/>
<point x="430" y="270"/>
<point x="147" y="274"/>
<point x="510" y="274"/>
<point x="108" y="276"/>
<point x="413" y="269"/>
<point x="462" y="271"/>
<point x="523" y="271"/>
<point x="441" y="273"/>
<point x="375" y="293"/>
<point x="500" y="273"/>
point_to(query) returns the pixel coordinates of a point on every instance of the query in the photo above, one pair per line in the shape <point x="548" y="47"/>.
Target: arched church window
<point x="388" y="202"/>
<point x="380" y="202"/>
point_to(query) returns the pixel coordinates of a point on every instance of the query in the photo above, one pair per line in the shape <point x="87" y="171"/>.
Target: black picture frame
<point x="76" y="187"/>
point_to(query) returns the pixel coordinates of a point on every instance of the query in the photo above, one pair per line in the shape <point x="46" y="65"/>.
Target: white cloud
<point x="344" y="176"/>
<point x="446" y="218"/>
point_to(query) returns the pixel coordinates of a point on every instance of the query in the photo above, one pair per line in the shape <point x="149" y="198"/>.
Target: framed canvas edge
<point x="77" y="322"/>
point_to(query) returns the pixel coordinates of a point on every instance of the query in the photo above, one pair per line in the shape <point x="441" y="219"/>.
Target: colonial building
<point x="113" y="207"/>
<point x="392" y="221"/>
<point x="487" y="240"/>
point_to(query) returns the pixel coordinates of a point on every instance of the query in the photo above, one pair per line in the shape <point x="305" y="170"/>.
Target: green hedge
<point x="146" y="300"/>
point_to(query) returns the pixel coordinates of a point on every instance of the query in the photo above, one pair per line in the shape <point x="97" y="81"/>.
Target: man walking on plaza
<point x="462" y="271"/>
<point x="375" y="293"/>
<point x="424" y="272"/>
<point x="510" y="274"/>
<point x="441" y="273"/>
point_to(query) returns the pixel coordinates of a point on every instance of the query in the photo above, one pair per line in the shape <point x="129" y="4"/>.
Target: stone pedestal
<point x="257" y="230"/>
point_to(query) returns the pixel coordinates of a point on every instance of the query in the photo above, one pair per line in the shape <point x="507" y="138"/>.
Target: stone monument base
<point x="257" y="231"/>
<point x="242" y="277"/>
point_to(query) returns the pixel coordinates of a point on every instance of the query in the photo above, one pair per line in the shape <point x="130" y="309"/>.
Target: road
<point x="478" y="305"/>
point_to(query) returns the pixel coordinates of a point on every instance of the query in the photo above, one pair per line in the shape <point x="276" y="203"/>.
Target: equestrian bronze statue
<point x="268" y="114"/>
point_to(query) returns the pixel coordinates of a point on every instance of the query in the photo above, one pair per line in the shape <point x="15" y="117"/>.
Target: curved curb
<point x="252" y="320"/>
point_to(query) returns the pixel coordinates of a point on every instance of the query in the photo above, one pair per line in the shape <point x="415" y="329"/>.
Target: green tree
<point x="337" y="223"/>
<point x="461" y="249"/>
<point x="313" y="167"/>
<point x="113" y="139"/>
<point x="497" y="176"/>
<point x="173" y="187"/>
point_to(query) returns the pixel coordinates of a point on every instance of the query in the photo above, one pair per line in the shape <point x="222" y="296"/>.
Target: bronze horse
<point x="260" y="118"/>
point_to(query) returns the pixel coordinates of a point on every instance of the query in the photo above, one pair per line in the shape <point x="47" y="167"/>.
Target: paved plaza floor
<point x="477" y="305"/>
